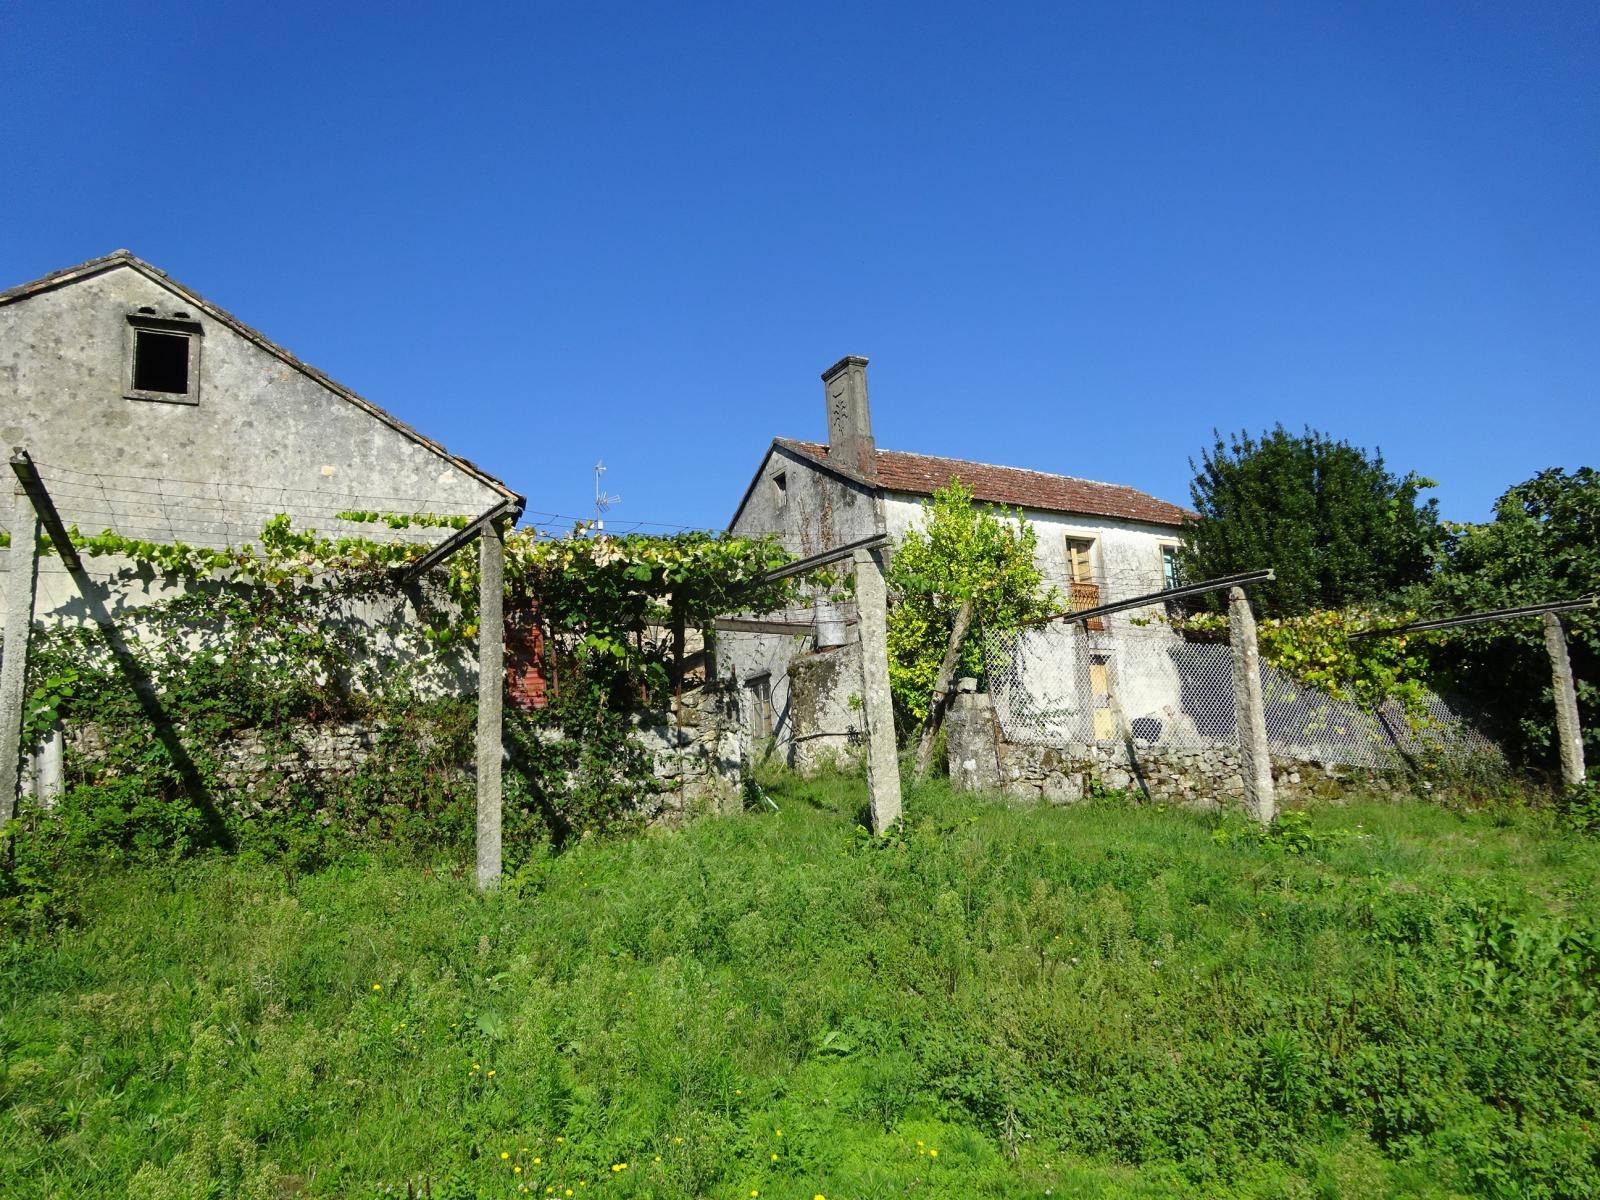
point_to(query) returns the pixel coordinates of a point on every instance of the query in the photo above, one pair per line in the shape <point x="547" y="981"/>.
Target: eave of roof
<point x="126" y="258"/>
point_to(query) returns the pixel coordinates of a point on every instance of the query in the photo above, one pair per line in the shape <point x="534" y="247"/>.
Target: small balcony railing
<point x="1086" y="595"/>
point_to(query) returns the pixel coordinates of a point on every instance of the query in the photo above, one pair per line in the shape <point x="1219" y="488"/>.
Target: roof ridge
<point x="975" y="462"/>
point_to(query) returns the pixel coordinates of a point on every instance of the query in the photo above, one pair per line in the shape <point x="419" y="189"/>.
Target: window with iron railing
<point x="1083" y="591"/>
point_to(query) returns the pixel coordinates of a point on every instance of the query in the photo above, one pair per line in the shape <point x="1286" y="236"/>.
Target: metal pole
<point x="1569" y="732"/>
<point x="1255" y="759"/>
<point x="22" y="581"/>
<point x="491" y="685"/>
<point x="1161" y="597"/>
<point x="1499" y="614"/>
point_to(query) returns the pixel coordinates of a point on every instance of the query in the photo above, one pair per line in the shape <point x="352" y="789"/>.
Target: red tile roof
<point x="922" y="474"/>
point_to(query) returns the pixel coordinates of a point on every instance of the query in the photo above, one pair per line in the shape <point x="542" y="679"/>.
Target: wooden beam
<point x="754" y="625"/>
<point x="28" y="477"/>
<point x="507" y="510"/>
<point x="941" y="686"/>
<point x="839" y="553"/>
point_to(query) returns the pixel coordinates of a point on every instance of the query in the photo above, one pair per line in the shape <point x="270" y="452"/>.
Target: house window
<point x="780" y="488"/>
<point x="1082" y="589"/>
<point x="760" y="689"/>
<point x="1169" y="567"/>
<point x="163" y="357"/>
<point x="1080" y="560"/>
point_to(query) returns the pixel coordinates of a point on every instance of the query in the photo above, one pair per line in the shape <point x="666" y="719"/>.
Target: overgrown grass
<point x="1098" y="1001"/>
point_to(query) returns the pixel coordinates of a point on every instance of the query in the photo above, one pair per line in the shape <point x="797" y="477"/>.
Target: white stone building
<point x="1097" y="542"/>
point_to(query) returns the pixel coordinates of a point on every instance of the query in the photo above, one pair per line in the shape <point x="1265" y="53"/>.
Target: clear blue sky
<point x="1069" y="237"/>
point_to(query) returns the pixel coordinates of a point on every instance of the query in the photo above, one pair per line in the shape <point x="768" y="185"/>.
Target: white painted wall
<point x="1126" y="558"/>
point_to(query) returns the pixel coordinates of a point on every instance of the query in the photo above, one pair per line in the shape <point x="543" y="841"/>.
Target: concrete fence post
<point x="883" y="764"/>
<point x="22" y="582"/>
<point x="1255" y="760"/>
<point x="1569" y="733"/>
<point x="491" y="685"/>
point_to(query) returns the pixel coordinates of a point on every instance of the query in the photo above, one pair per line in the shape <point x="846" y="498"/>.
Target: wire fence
<point x="1061" y="685"/>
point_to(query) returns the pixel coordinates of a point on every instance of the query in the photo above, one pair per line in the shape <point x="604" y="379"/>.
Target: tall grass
<point x="1102" y="1000"/>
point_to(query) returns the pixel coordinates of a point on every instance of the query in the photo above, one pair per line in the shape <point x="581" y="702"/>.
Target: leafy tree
<point x="1336" y="524"/>
<point x="963" y="551"/>
<point x="1543" y="544"/>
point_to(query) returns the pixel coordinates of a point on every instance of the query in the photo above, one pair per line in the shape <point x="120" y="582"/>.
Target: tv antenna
<point x="603" y="499"/>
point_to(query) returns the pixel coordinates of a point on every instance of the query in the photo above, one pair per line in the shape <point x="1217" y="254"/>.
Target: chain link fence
<point x="1062" y="685"/>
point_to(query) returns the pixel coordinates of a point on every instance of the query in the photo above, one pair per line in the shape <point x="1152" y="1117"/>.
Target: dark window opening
<point x="161" y="362"/>
<point x="780" y="486"/>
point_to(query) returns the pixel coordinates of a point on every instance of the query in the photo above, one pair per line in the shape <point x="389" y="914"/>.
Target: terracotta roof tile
<point x="922" y="474"/>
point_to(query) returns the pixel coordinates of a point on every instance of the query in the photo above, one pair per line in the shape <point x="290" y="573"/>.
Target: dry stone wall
<point x="696" y="755"/>
<point x="1204" y="777"/>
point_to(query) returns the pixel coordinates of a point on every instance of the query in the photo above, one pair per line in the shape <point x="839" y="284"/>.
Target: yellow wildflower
<point x="537" y="1160"/>
<point x="377" y="987"/>
<point x="774" y="1156"/>
<point x="517" y="1170"/>
<point x="933" y="1153"/>
<point x="505" y="1154"/>
<point x="491" y="1070"/>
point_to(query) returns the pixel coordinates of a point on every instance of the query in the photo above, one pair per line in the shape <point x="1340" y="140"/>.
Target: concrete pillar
<point x="22" y="582"/>
<point x="1250" y="712"/>
<point x="1569" y="734"/>
<point x="491" y="683"/>
<point x="883" y="763"/>
<point x="49" y="773"/>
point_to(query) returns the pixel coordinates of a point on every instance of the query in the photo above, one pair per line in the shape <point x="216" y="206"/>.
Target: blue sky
<point x="1070" y="237"/>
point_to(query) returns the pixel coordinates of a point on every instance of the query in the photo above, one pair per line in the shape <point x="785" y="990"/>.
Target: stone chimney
<point x="850" y="442"/>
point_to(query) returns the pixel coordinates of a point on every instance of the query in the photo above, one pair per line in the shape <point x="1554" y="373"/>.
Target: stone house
<point x="153" y="412"/>
<point x="1096" y="542"/>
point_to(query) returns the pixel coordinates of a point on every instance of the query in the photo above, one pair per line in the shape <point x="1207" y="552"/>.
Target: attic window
<point x="163" y="358"/>
<point x="780" y="487"/>
<point x="160" y="362"/>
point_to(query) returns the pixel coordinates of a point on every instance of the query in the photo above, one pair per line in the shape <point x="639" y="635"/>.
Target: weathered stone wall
<point x="1204" y="776"/>
<point x="826" y="722"/>
<point x="697" y="757"/>
<point x="813" y="511"/>
<point x="264" y="436"/>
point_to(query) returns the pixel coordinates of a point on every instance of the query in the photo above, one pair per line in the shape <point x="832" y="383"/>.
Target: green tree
<point x="963" y="551"/>
<point x="1333" y="521"/>
<point x="1543" y="544"/>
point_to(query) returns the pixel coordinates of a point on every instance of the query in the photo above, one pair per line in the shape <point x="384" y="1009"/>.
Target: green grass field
<point x="1006" y="1002"/>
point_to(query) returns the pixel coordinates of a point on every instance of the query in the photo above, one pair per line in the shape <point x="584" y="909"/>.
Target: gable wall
<point x="302" y="449"/>
<point x="818" y="511"/>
